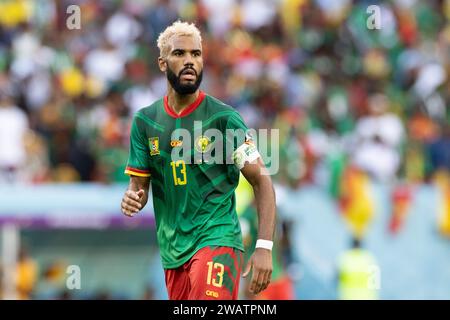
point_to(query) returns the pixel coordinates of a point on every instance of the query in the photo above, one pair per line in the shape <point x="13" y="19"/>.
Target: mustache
<point x="185" y="69"/>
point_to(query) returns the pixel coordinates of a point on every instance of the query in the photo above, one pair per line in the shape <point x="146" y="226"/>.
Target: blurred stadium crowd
<point x="341" y="94"/>
<point x="309" y="68"/>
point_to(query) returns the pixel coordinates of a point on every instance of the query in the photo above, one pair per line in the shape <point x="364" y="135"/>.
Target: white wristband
<point x="265" y="244"/>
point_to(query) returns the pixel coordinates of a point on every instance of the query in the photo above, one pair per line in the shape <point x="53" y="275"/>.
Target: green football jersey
<point x="193" y="196"/>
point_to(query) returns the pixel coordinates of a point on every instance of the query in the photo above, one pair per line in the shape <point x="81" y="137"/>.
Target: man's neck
<point x="180" y="102"/>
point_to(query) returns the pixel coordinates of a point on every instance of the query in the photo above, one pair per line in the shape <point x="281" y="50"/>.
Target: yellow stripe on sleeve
<point x="134" y="173"/>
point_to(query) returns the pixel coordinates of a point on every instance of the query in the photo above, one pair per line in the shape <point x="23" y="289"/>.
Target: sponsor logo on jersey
<point x="153" y="143"/>
<point x="211" y="293"/>
<point x="202" y="144"/>
<point x="176" y="143"/>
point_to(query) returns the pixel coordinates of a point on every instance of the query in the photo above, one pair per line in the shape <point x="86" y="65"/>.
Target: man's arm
<point x="261" y="260"/>
<point x="136" y="197"/>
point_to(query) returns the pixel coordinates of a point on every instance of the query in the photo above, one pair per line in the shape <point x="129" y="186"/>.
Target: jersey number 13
<point x="179" y="172"/>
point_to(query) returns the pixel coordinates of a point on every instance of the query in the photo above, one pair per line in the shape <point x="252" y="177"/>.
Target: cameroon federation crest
<point x="202" y="144"/>
<point x="153" y="144"/>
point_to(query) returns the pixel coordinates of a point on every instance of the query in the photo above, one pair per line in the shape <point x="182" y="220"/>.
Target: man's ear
<point x="162" y="63"/>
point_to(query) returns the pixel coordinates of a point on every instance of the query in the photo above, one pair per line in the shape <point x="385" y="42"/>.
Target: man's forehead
<point x="185" y="42"/>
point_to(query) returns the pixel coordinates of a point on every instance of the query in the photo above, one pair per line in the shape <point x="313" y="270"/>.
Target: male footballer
<point x="197" y="227"/>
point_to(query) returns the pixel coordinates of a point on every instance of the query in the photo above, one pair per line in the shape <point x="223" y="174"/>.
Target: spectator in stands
<point x="358" y="274"/>
<point x="438" y="151"/>
<point x="13" y="128"/>
<point x="27" y="275"/>
<point x="379" y="136"/>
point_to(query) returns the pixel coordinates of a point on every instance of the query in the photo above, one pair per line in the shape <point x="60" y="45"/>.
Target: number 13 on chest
<point x="179" y="172"/>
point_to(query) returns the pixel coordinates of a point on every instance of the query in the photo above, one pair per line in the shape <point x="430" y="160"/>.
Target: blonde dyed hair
<point x="177" y="28"/>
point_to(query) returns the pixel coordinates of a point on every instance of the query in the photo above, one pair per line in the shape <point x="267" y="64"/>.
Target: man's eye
<point x="197" y="54"/>
<point x="177" y="53"/>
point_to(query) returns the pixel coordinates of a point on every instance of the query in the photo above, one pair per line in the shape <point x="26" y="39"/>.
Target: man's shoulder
<point x="150" y="110"/>
<point x="218" y="105"/>
<point x="219" y="109"/>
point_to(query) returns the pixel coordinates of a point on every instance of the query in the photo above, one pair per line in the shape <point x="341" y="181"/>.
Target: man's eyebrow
<point x="184" y="50"/>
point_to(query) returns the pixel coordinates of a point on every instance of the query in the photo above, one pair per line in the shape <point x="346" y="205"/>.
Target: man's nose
<point x="189" y="60"/>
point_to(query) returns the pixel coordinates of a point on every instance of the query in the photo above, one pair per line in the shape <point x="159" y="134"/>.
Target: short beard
<point x="183" y="89"/>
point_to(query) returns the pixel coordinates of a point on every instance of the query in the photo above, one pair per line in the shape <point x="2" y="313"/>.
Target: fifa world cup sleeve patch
<point x="247" y="152"/>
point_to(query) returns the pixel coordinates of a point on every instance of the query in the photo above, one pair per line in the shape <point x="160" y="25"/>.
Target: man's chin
<point x="187" y="83"/>
<point x="186" y="89"/>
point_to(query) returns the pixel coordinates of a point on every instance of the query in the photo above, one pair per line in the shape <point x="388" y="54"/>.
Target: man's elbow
<point x="261" y="181"/>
